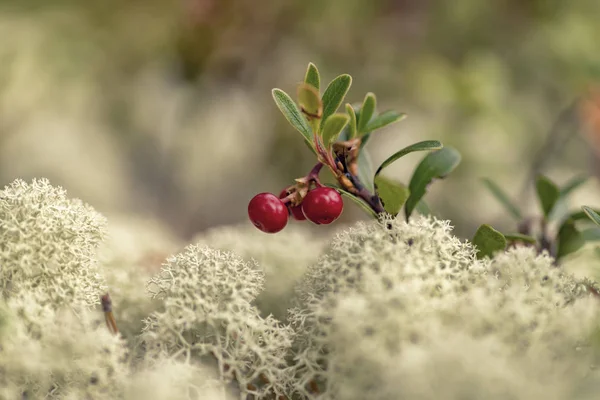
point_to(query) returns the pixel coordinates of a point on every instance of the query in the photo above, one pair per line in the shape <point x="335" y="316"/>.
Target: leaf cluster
<point x="324" y="128"/>
<point x="557" y="230"/>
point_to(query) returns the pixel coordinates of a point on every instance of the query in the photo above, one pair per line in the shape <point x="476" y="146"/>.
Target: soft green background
<point x="164" y="109"/>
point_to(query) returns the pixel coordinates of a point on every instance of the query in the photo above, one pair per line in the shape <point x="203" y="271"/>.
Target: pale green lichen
<point x="208" y="315"/>
<point x="283" y="258"/>
<point x="131" y="254"/>
<point x="389" y="310"/>
<point x="48" y="243"/>
<point x="54" y="353"/>
<point x="374" y="312"/>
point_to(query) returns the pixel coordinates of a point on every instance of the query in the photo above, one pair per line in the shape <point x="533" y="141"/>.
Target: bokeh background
<point x="163" y="109"/>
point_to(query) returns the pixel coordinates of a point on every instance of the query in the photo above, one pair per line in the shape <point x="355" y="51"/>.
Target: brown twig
<point x="108" y="315"/>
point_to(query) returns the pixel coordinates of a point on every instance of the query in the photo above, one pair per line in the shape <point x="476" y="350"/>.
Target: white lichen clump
<point x="389" y="310"/>
<point x="208" y="315"/>
<point x="51" y="345"/>
<point x="398" y="310"/>
<point x="283" y="258"/>
<point x="48" y="244"/>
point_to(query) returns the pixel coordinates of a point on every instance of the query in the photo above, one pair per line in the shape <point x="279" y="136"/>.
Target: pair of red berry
<point x="270" y="214"/>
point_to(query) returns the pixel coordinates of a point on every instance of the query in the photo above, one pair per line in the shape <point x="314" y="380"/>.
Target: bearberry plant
<point x="556" y="230"/>
<point x="338" y="140"/>
<point x="389" y="309"/>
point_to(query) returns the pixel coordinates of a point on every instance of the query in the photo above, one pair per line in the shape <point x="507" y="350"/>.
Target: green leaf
<point x="421" y="146"/>
<point x="569" y="239"/>
<point x="358" y="201"/>
<point x="435" y="165"/>
<point x="488" y="241"/>
<point x="352" y="124"/>
<point x="573" y="184"/>
<point x="502" y="198"/>
<point x="519" y="237"/>
<point x="290" y="111"/>
<point x="591" y="234"/>
<point x="312" y="76"/>
<point x="334" y="95"/>
<point x="384" y="119"/>
<point x="548" y="194"/>
<point x="393" y="194"/>
<point x="365" y="169"/>
<point x="333" y="127"/>
<point x="310" y="101"/>
<point x="593" y="215"/>
<point x="582" y="215"/>
<point x="366" y="112"/>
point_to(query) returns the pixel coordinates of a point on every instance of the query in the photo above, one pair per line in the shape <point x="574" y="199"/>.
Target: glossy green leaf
<point x="393" y="194"/>
<point x="488" y="241"/>
<point x="573" y="184"/>
<point x="312" y="76"/>
<point x="310" y="101"/>
<point x="292" y="113"/>
<point x="357" y="200"/>
<point x="334" y="95"/>
<point x="384" y="119"/>
<point x="365" y="169"/>
<point x="333" y="127"/>
<point x="569" y="239"/>
<point x="499" y="194"/>
<point x="421" y="146"/>
<point x="434" y="166"/>
<point x="367" y="111"/>
<point x="352" y="124"/>
<point x="519" y="237"/>
<point x="591" y="214"/>
<point x="548" y="194"/>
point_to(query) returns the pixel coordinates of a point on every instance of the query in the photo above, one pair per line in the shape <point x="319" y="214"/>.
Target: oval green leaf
<point x="435" y="165"/>
<point x="593" y="215"/>
<point x="312" y="76"/>
<point x="292" y="113"/>
<point x="366" y="112"/>
<point x="503" y="198"/>
<point x="333" y="127"/>
<point x="488" y="241"/>
<point x="334" y="95"/>
<point x="393" y="194"/>
<point x="548" y="194"/>
<point x="352" y="124"/>
<point x="569" y="239"/>
<point x="421" y="146"/>
<point x="519" y="237"/>
<point x="384" y="119"/>
<point x="355" y="199"/>
<point x="310" y="101"/>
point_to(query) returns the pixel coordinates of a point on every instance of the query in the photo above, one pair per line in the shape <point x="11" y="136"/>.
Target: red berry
<point x="295" y="211"/>
<point x="322" y="205"/>
<point x="268" y="213"/>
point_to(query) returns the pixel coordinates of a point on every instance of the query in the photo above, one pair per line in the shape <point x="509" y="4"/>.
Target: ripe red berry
<point x="295" y="211"/>
<point x="322" y="205"/>
<point x="268" y="213"/>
